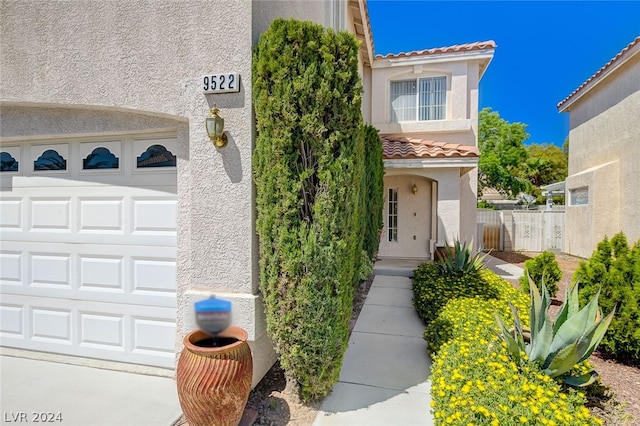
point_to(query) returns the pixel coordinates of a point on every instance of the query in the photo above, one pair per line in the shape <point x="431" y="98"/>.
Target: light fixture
<point x="414" y="189"/>
<point x="215" y="128"/>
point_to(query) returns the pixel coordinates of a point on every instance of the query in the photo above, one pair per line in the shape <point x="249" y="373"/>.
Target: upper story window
<point x="418" y="100"/>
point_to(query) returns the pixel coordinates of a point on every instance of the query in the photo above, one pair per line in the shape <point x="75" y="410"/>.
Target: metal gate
<point x="538" y="231"/>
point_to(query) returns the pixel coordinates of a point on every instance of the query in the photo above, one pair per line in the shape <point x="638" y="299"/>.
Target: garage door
<point x="88" y="257"/>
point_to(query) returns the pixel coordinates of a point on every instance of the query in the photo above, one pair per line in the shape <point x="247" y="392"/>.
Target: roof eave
<point x="602" y="74"/>
<point x="429" y="163"/>
<point x="484" y="54"/>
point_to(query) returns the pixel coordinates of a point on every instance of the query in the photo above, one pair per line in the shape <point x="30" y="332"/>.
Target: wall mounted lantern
<point x="215" y="128"/>
<point x="414" y="189"/>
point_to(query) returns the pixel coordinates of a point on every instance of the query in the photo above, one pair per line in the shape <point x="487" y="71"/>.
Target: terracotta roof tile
<point x="608" y="65"/>
<point x="397" y="147"/>
<point x="478" y="45"/>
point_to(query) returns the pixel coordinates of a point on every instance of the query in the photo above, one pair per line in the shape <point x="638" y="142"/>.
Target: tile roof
<point x="398" y="147"/>
<point x="478" y="45"/>
<point x="606" y="67"/>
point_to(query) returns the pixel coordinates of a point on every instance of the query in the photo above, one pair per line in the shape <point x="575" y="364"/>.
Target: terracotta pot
<point x="214" y="382"/>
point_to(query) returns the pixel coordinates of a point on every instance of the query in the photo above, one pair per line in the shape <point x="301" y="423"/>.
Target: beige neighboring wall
<point x="604" y="150"/>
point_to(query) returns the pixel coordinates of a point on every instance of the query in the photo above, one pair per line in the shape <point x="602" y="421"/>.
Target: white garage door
<point x="88" y="231"/>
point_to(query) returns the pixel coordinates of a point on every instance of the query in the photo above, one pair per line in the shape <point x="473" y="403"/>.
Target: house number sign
<point x="221" y="83"/>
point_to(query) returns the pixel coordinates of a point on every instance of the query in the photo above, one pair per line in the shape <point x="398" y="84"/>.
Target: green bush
<point x="432" y="289"/>
<point x="308" y="170"/>
<point x="542" y="268"/>
<point x="373" y="190"/>
<point x="614" y="270"/>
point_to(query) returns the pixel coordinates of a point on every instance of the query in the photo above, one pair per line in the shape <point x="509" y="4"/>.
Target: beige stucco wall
<point x="604" y="145"/>
<point x="144" y="59"/>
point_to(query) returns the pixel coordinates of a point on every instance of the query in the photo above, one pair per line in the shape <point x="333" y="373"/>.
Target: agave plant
<point x="557" y="346"/>
<point x="461" y="259"/>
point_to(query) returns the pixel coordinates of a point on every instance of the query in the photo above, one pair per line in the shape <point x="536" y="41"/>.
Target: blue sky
<point x="546" y="49"/>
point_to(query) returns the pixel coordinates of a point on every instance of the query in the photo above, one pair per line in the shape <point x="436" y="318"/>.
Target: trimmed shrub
<point x="373" y="190"/>
<point x="614" y="270"/>
<point x="542" y="268"/>
<point x="474" y="381"/>
<point x="308" y="170"/>
<point x="432" y="289"/>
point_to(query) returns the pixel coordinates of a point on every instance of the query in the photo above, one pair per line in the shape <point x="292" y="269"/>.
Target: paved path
<point x="84" y="396"/>
<point x="385" y="372"/>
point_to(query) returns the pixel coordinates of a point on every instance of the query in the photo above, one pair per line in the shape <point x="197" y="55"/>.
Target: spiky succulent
<point x="557" y="346"/>
<point x="460" y="259"/>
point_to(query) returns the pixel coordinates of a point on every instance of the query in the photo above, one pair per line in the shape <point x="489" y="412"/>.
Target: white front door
<point x="88" y="231"/>
<point x="407" y="218"/>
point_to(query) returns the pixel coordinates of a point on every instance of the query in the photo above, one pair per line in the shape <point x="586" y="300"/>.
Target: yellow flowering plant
<point x="474" y="379"/>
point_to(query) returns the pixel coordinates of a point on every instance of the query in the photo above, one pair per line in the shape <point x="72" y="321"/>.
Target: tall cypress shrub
<point x="373" y="190"/>
<point x="614" y="271"/>
<point x="308" y="166"/>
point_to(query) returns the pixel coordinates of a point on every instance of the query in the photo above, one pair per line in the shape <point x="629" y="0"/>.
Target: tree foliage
<point x="502" y="153"/>
<point x="546" y="164"/>
<point x="309" y="171"/>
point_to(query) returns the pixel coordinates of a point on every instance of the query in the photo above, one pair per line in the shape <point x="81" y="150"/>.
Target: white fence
<point x="523" y="230"/>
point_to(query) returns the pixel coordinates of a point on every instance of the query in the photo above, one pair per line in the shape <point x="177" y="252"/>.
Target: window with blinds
<point x="418" y="100"/>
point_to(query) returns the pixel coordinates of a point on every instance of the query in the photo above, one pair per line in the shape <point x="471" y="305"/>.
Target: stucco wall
<point x="145" y="59"/>
<point x="603" y="151"/>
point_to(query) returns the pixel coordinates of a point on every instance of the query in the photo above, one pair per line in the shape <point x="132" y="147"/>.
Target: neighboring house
<point x="602" y="196"/>
<point x="117" y="211"/>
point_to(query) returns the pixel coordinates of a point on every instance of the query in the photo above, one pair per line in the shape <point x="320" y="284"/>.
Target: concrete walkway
<point x="84" y="396"/>
<point x="503" y="269"/>
<point x="385" y="373"/>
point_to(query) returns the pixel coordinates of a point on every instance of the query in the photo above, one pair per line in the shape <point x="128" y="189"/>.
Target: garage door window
<point x="101" y="158"/>
<point x="7" y="162"/>
<point x="156" y="156"/>
<point x="50" y="160"/>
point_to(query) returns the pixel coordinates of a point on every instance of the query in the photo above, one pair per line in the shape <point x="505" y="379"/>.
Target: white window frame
<point x="440" y="108"/>
<point x="392" y="213"/>
<point x="579" y="196"/>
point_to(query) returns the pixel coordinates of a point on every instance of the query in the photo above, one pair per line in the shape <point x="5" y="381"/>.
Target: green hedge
<point x="432" y="289"/>
<point x="373" y="190"/>
<point x="308" y="170"/>
<point x="614" y="269"/>
<point x="473" y="379"/>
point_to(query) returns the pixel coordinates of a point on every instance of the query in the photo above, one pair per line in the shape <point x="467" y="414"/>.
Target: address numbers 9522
<point x="221" y="83"/>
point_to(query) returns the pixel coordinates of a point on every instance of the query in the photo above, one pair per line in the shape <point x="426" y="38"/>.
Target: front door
<point x="407" y="218"/>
